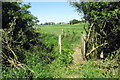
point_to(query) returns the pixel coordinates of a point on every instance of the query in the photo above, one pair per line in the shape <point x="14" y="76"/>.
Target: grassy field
<point x="70" y="33"/>
<point x="57" y="28"/>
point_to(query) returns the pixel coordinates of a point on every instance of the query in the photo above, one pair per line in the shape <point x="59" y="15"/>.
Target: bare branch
<point x="12" y="52"/>
<point x="89" y="32"/>
<point x="95" y="48"/>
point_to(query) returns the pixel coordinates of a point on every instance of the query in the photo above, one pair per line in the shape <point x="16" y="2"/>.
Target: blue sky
<point x="54" y="11"/>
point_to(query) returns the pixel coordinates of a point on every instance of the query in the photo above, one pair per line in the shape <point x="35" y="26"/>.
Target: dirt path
<point x="74" y="69"/>
<point x="77" y="56"/>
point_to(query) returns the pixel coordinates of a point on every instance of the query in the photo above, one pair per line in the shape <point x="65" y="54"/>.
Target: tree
<point x="102" y="35"/>
<point x="49" y="23"/>
<point x="74" y="21"/>
<point x="18" y="34"/>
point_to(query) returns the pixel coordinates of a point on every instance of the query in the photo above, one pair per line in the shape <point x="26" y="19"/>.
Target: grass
<point x="70" y="35"/>
<point x="49" y="63"/>
<point x="88" y="69"/>
<point x="57" y="28"/>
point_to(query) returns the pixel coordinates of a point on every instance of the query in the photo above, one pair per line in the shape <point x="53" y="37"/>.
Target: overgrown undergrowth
<point x="89" y="69"/>
<point x="49" y="63"/>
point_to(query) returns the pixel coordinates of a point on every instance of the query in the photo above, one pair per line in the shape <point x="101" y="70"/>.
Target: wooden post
<point x="83" y="45"/>
<point x="59" y="44"/>
<point x="62" y="32"/>
<point x="101" y="55"/>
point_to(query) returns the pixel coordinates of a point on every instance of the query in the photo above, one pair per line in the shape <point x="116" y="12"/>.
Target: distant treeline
<point x="74" y="21"/>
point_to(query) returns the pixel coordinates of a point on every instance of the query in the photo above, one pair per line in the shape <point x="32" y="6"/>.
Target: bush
<point x="65" y="57"/>
<point x="74" y="21"/>
<point x="104" y="27"/>
<point x="17" y="32"/>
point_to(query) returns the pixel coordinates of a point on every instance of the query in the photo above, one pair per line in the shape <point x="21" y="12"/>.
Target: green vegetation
<point x="70" y="33"/>
<point x="74" y="21"/>
<point x="104" y="28"/>
<point x="57" y="28"/>
<point x="17" y="32"/>
<point x="31" y="51"/>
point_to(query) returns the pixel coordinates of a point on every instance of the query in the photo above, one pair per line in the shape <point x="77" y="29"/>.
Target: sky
<point x="54" y="11"/>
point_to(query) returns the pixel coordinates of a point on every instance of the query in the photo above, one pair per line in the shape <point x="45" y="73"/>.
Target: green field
<point x="57" y="28"/>
<point x="70" y="33"/>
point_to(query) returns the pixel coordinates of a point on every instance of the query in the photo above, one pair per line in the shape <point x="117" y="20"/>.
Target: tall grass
<point x="70" y="33"/>
<point x="46" y="62"/>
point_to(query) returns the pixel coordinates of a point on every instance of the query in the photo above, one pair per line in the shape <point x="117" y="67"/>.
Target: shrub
<point x="65" y="57"/>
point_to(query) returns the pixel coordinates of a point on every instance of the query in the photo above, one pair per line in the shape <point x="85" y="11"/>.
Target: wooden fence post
<point x="62" y="32"/>
<point x="59" y="44"/>
<point x="83" y="47"/>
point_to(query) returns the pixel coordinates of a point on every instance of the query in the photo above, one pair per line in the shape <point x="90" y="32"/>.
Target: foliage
<point x="99" y="69"/>
<point x="65" y="57"/>
<point x="74" y="21"/>
<point x="17" y="32"/>
<point x="35" y="67"/>
<point x="90" y="69"/>
<point x="34" y="54"/>
<point x="49" y="23"/>
<point x="41" y="65"/>
<point x="70" y="34"/>
<point x="104" y="20"/>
